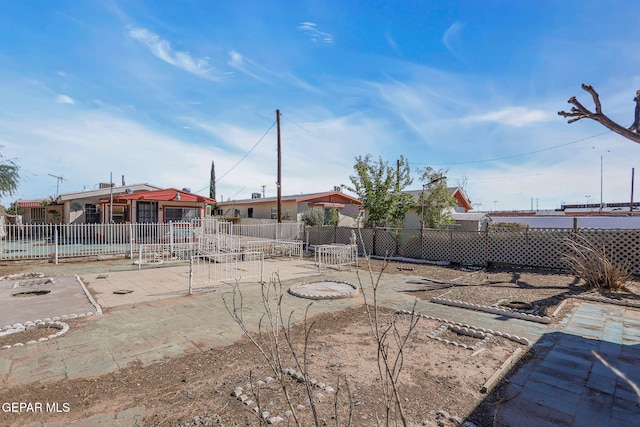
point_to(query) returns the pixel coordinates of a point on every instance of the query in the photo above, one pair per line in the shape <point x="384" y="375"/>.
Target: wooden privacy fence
<point x="541" y="248"/>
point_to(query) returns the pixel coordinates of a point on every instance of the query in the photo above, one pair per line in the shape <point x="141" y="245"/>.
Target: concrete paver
<point x="592" y="393"/>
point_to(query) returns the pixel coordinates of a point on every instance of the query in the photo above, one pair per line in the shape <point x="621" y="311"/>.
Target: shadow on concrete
<point x="568" y="380"/>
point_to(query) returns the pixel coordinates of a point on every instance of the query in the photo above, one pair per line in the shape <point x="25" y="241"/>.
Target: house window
<point x="147" y="212"/>
<point x="91" y="214"/>
<point x="37" y="214"/>
<point x="180" y="214"/>
<point x="119" y="213"/>
<point x="249" y="212"/>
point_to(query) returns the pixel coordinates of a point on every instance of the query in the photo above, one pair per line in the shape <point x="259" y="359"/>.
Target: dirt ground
<point x="439" y="383"/>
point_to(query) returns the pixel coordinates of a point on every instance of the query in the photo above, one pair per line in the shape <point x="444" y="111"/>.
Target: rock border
<point x="463" y="331"/>
<point x="62" y="328"/>
<point x="23" y="276"/>
<point x="34" y="281"/>
<point x="494" y="310"/>
<point x="514" y="338"/>
<point x="331" y="295"/>
<point x="239" y="393"/>
<point x="50" y="322"/>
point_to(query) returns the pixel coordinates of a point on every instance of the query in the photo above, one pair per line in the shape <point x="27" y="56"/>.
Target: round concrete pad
<point x="324" y="289"/>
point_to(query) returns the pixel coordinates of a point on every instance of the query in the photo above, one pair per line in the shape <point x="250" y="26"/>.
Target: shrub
<point x="595" y="264"/>
<point x="313" y="217"/>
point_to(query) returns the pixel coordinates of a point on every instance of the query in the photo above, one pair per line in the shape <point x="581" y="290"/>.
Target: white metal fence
<point x="54" y="241"/>
<point x="277" y="248"/>
<point x="272" y="231"/>
<point x="336" y="256"/>
<point x="165" y="253"/>
<point x="206" y="270"/>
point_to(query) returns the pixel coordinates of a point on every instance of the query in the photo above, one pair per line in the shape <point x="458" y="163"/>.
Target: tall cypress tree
<point x="212" y="181"/>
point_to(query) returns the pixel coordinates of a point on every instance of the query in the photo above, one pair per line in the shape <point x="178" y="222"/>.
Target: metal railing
<point x="165" y="253"/>
<point x="277" y="248"/>
<point x="55" y="241"/>
<point x="336" y="256"/>
<point x="206" y="270"/>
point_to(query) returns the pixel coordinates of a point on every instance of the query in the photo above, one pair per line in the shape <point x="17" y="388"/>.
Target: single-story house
<point x="155" y="206"/>
<point x="412" y="218"/>
<point x="291" y="206"/>
<point x="78" y="207"/>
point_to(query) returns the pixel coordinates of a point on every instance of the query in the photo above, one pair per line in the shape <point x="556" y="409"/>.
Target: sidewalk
<point x="566" y="385"/>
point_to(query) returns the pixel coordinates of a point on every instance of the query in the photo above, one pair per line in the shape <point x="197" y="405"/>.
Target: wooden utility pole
<point x="279" y="183"/>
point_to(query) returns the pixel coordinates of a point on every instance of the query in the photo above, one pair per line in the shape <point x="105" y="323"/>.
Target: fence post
<point x="307" y="247"/>
<point x="190" y="274"/>
<point x="130" y="241"/>
<point x="139" y="257"/>
<point x="261" y="267"/>
<point x="451" y="245"/>
<point x="171" y="232"/>
<point x="486" y="247"/>
<point x="55" y="239"/>
<point x="397" y="248"/>
<point x="373" y="241"/>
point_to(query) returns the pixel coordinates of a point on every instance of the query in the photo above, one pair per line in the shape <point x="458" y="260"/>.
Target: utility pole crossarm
<point x="58" y="180"/>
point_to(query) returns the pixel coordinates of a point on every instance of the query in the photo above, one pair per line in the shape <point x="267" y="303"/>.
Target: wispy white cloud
<point x="64" y="99"/>
<point x="392" y="43"/>
<point x="515" y="116"/>
<point x="451" y="36"/>
<point x="312" y="31"/>
<point x="297" y="81"/>
<point x="242" y="64"/>
<point x="162" y="49"/>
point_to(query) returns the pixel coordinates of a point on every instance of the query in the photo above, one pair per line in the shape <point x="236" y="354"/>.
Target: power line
<point x="242" y="158"/>
<point x="515" y="155"/>
<point x="297" y="124"/>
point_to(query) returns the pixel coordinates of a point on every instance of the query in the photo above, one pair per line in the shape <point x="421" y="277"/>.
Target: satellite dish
<point x="128" y="191"/>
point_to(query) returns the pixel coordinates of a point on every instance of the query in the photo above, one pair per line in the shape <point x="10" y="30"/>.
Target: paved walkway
<point x="567" y="385"/>
<point x="564" y="384"/>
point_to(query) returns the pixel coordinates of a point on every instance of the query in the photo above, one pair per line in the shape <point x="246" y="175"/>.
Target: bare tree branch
<point x="579" y="111"/>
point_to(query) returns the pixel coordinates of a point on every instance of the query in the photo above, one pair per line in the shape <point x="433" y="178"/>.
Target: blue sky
<point x="156" y="90"/>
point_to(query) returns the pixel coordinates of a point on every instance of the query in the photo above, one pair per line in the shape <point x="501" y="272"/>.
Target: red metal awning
<point x="30" y="204"/>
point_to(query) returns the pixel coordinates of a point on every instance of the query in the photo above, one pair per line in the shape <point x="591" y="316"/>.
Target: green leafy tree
<point x="9" y="176"/>
<point x="435" y="200"/>
<point x="14" y="209"/>
<point x="313" y="217"/>
<point x="379" y="187"/>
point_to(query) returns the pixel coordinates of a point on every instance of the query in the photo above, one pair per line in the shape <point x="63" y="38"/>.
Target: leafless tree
<point x="579" y="111"/>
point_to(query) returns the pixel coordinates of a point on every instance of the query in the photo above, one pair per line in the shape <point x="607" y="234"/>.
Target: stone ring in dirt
<point x="31" y="328"/>
<point x="324" y="289"/>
